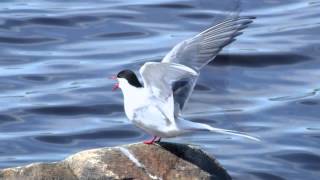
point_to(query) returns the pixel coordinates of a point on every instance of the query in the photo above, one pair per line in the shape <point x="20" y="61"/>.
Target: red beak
<point x="115" y="86"/>
<point x="113" y="77"/>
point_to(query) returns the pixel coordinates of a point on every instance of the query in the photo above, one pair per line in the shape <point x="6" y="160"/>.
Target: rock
<point x="135" y="161"/>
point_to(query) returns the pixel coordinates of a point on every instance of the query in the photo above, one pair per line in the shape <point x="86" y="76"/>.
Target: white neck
<point x="133" y="97"/>
<point x="127" y="89"/>
<point x="131" y="92"/>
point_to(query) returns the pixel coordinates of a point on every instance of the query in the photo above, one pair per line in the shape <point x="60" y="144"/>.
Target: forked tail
<point x="193" y="126"/>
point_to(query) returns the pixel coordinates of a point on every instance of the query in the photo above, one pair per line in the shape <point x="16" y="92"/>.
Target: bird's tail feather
<point x="188" y="125"/>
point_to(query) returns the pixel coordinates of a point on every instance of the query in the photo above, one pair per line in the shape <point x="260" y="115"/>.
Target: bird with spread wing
<point x="156" y="105"/>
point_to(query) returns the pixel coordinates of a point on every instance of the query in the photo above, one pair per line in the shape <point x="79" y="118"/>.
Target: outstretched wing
<point x="163" y="79"/>
<point x="199" y="50"/>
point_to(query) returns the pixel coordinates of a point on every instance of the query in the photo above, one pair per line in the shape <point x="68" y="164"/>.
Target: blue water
<point x="56" y="99"/>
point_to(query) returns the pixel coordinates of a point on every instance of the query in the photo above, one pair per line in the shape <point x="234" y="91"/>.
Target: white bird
<point x="156" y="106"/>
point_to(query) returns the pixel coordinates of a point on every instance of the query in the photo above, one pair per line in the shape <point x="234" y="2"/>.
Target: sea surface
<point x="56" y="99"/>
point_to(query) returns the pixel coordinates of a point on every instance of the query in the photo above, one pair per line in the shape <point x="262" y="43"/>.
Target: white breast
<point x="144" y="111"/>
<point x="134" y="98"/>
<point x="132" y="104"/>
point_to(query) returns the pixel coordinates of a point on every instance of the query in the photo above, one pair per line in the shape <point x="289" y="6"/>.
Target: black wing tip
<point x="247" y="17"/>
<point x="239" y="18"/>
<point x="250" y="17"/>
<point x="245" y="21"/>
<point x="237" y="34"/>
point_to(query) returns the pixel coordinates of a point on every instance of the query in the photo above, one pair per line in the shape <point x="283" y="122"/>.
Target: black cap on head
<point x="130" y="76"/>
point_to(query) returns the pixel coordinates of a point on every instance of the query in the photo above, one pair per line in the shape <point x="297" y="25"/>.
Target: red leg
<point x="150" y="141"/>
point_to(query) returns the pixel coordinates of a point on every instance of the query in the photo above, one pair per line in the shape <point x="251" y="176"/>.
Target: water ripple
<point x="171" y="6"/>
<point x="259" y="60"/>
<point x="73" y="110"/>
<point x="5" y="118"/>
<point x="266" y="176"/>
<point x="97" y="134"/>
<point x="121" y="35"/>
<point x="26" y="40"/>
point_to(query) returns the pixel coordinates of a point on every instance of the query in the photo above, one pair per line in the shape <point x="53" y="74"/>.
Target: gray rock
<point x="135" y="161"/>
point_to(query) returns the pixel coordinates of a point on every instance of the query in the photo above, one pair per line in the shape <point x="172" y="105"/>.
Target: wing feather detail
<point x="162" y="81"/>
<point x="172" y="81"/>
<point x="199" y="50"/>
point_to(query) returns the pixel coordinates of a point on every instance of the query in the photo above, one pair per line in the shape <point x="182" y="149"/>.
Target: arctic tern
<point x="156" y="105"/>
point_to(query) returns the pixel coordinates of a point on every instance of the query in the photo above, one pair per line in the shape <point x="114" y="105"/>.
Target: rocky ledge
<point x="135" y="161"/>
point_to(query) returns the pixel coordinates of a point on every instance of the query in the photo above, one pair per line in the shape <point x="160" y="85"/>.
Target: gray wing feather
<point x="199" y="50"/>
<point x="160" y="77"/>
<point x="161" y="80"/>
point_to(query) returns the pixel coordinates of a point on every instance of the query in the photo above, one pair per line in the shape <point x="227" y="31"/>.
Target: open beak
<point x="113" y="77"/>
<point x="116" y="85"/>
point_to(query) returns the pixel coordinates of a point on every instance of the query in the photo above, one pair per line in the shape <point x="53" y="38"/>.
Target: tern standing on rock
<point x="156" y="105"/>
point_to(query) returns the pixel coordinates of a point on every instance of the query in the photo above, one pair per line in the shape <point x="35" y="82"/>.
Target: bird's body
<point x="156" y="106"/>
<point x="143" y="110"/>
